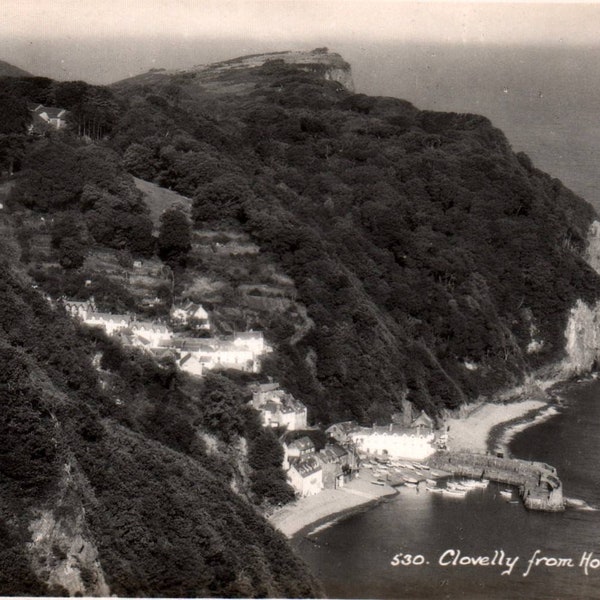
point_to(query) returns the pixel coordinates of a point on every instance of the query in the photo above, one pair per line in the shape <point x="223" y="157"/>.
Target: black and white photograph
<point x="300" y="299"/>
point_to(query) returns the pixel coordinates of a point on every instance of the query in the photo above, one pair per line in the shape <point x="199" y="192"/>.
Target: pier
<point x="538" y="483"/>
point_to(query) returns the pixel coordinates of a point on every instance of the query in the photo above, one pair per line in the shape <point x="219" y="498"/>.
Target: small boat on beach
<point x="378" y="483"/>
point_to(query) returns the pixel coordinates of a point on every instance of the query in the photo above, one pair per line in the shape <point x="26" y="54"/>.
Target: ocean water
<point x="546" y="99"/>
<point x="354" y="558"/>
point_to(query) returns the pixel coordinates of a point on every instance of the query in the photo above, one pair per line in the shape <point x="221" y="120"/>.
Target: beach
<point x="294" y="517"/>
<point x="487" y="428"/>
<point x="473" y="432"/>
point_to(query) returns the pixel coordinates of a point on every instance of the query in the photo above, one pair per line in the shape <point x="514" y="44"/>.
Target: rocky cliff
<point x="329" y="64"/>
<point x="582" y="334"/>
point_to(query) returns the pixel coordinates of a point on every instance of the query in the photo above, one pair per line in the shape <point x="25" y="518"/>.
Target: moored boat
<point x="453" y="493"/>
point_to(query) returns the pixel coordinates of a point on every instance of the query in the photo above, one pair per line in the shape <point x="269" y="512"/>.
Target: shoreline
<point x="480" y="430"/>
<point x="329" y="506"/>
<point x="489" y="428"/>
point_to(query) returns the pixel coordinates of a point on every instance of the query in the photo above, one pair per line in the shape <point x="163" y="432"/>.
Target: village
<point x="309" y="469"/>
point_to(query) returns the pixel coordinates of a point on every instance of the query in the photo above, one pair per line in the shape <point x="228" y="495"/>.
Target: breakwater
<point x="538" y="483"/>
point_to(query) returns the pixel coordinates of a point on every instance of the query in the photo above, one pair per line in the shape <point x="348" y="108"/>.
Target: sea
<point x="425" y="545"/>
<point x="545" y="98"/>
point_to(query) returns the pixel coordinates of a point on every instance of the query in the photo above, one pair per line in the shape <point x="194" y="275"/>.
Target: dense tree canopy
<point x="418" y="241"/>
<point x="174" y="237"/>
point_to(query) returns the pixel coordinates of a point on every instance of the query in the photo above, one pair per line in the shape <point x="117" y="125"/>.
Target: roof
<point x="266" y="387"/>
<point x="149" y="325"/>
<point x="337" y="450"/>
<point x="423" y="419"/>
<point x="108" y="317"/>
<point x="271" y="407"/>
<point x="248" y="335"/>
<point x="195" y="344"/>
<point x="303" y="443"/>
<point x="185" y="359"/>
<point x="306" y="466"/>
<point x="327" y="456"/>
<point x="345" y="426"/>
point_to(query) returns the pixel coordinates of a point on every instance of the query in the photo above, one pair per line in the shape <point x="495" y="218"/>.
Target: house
<point x="424" y="423"/>
<point x="191" y="364"/>
<point x="394" y="441"/>
<point x="44" y="117"/>
<point x="299" y="448"/>
<point x="191" y="314"/>
<point x="79" y="308"/>
<point x="261" y="393"/>
<point x="295" y="449"/>
<point x="283" y="410"/>
<point x="253" y="340"/>
<point x="340" y="432"/>
<point x="109" y="322"/>
<point x="346" y="457"/>
<point x="149" y="334"/>
<point x="278" y="408"/>
<point x="306" y="476"/>
<point x="332" y="468"/>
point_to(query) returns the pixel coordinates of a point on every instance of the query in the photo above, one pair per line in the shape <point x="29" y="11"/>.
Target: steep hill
<point x="435" y="263"/>
<point x="8" y="70"/>
<point x="388" y="253"/>
<point x="108" y="483"/>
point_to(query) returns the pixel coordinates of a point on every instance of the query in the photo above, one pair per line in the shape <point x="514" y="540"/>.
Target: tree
<point x="221" y="199"/>
<point x="174" y="237"/>
<point x="71" y="253"/>
<point x="14" y="119"/>
<point x="141" y="161"/>
<point x="14" y="116"/>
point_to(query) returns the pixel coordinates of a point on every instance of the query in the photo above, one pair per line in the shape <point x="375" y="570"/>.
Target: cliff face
<point x="241" y="76"/>
<point x="330" y="64"/>
<point x="582" y="334"/>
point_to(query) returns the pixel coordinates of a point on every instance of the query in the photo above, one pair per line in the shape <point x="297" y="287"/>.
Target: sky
<point x="104" y="40"/>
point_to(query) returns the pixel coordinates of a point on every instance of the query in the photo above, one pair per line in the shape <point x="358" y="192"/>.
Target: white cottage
<point x="306" y="476"/>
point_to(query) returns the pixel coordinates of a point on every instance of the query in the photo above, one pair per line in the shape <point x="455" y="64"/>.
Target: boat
<point x="454" y="485"/>
<point x="455" y="493"/>
<point x="469" y="483"/>
<point x="378" y="482"/>
<point x="506" y="494"/>
<point x="432" y="482"/>
<point x="435" y="490"/>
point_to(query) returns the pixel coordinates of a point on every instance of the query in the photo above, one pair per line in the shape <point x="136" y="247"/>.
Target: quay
<point x="538" y="483"/>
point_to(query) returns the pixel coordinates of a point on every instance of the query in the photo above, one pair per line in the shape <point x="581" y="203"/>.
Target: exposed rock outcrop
<point x="582" y="333"/>
<point x="62" y="552"/>
<point x="332" y="65"/>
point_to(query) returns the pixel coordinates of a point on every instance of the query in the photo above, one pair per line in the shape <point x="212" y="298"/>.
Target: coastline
<point x="488" y="428"/>
<point x="477" y="431"/>
<point x="328" y="506"/>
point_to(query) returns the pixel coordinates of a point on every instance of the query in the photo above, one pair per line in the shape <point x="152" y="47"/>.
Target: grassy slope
<point x="158" y="199"/>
